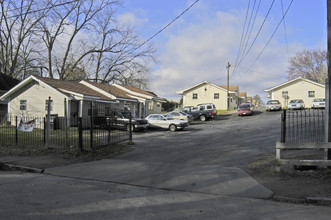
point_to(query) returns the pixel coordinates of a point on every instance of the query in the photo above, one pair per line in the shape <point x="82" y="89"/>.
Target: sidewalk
<point x="209" y="179"/>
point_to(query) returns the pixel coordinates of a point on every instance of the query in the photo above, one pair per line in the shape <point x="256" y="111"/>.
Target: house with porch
<point x="140" y="102"/>
<point x="206" y="92"/>
<point x="299" y="88"/>
<point x="30" y="98"/>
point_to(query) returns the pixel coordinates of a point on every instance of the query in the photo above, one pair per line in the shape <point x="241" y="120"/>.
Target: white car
<point x="165" y="121"/>
<point x="318" y="103"/>
<point x="296" y="104"/>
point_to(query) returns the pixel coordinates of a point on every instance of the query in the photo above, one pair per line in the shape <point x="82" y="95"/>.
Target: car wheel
<point x="203" y="118"/>
<point x="172" y="127"/>
<point x="128" y="127"/>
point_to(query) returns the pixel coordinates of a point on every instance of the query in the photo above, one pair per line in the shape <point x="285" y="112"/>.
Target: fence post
<point x="44" y="130"/>
<point x="66" y="121"/>
<point x="91" y="127"/>
<point x="80" y="134"/>
<point x="283" y="126"/>
<point x="16" y="132"/>
<point x="48" y="121"/>
<point x="130" y="125"/>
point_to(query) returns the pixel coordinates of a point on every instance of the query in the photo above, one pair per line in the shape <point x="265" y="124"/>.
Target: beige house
<point x="298" y="88"/>
<point x="30" y="98"/>
<point x="139" y="101"/>
<point x="206" y="92"/>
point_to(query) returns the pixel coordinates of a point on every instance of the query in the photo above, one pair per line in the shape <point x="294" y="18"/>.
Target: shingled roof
<point x="231" y="88"/>
<point x="113" y="90"/>
<point x="75" y="87"/>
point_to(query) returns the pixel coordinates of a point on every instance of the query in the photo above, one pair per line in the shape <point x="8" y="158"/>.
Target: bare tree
<point x="71" y="37"/>
<point x="119" y="56"/>
<point x="309" y="64"/>
<point x="18" y="21"/>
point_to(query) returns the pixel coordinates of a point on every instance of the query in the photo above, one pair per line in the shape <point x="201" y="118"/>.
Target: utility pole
<point x="327" y="83"/>
<point x="227" y="87"/>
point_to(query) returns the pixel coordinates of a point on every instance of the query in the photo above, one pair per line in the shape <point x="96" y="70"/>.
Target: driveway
<point x="229" y="141"/>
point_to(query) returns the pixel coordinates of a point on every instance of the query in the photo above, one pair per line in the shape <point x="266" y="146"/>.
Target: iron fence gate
<point x="303" y="126"/>
<point x="79" y="133"/>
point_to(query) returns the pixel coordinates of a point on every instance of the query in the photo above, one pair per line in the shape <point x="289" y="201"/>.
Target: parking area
<point x="228" y="140"/>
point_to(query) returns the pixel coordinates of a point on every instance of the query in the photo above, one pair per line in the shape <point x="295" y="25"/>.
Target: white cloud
<point x="200" y="51"/>
<point x="130" y="19"/>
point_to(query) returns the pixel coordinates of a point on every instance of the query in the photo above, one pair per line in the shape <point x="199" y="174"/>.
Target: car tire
<point x="172" y="127"/>
<point x="202" y="118"/>
<point x="128" y="127"/>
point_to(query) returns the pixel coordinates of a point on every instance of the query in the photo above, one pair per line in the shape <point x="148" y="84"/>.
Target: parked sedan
<point x="273" y="105"/>
<point x="245" y="109"/>
<point x="318" y="103"/>
<point x="166" y="122"/>
<point x="296" y="104"/>
<point x="181" y="116"/>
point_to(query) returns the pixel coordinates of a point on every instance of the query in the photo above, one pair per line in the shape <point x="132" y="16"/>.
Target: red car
<point x="245" y="109"/>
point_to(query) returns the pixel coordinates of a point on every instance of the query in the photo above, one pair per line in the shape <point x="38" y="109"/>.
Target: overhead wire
<point x="255" y="38"/>
<point x="270" y="37"/>
<point x="285" y="33"/>
<point x="251" y="28"/>
<point x="166" y="26"/>
<point x="242" y="34"/>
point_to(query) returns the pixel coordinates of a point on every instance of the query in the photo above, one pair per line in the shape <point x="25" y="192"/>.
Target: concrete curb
<point x="11" y="167"/>
<point x="308" y="200"/>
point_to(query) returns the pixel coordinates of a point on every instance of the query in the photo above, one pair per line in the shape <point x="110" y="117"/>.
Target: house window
<point x="285" y="94"/>
<point x="195" y="96"/>
<point x="23" y="104"/>
<point x="311" y="94"/>
<point x="216" y="96"/>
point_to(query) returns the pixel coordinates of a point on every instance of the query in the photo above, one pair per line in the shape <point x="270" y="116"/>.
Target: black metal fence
<point x="303" y="126"/>
<point x="76" y="134"/>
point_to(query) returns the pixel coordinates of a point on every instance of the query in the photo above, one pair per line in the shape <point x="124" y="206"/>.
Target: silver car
<point x="273" y="105"/>
<point x="181" y="116"/>
<point x="318" y="103"/>
<point x="296" y="104"/>
<point x="166" y="122"/>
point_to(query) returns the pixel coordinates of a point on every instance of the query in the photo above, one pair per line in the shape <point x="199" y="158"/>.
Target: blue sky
<point x="199" y="44"/>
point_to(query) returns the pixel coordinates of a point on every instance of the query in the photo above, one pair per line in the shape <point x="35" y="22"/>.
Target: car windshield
<point x="296" y="101"/>
<point x="168" y="117"/>
<point x="245" y="106"/>
<point x="273" y="102"/>
<point x="319" y="100"/>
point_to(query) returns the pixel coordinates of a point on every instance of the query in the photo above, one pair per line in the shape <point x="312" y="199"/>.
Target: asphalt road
<point x="229" y="140"/>
<point x="93" y="191"/>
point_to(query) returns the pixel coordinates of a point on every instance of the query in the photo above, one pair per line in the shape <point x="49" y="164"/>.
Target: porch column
<point x="80" y="109"/>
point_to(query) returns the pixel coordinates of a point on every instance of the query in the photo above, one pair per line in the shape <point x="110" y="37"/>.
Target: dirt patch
<point x="46" y="158"/>
<point x="290" y="182"/>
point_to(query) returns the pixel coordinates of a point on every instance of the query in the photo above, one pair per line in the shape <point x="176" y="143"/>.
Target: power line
<point x="170" y="23"/>
<point x="256" y="36"/>
<point x="270" y="37"/>
<point x="242" y="36"/>
<point x="284" y="28"/>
